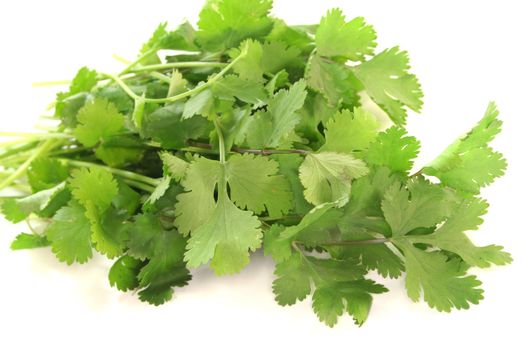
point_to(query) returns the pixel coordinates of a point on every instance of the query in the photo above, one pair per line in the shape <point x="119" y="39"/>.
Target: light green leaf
<point x="327" y="176"/>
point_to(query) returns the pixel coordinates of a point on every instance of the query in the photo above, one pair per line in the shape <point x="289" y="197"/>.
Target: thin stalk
<point x="137" y="61"/>
<point x="123" y="173"/>
<point x="36" y="136"/>
<point x="139" y="185"/>
<point x="162" y="66"/>
<point x="356" y="242"/>
<point x="44" y="147"/>
<point x="264" y="152"/>
<point x="181" y="96"/>
<point x="220" y="136"/>
<point x="18" y="149"/>
<point x="50" y="83"/>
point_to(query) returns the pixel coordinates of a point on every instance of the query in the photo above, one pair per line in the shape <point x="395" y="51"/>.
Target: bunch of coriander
<point x="249" y="133"/>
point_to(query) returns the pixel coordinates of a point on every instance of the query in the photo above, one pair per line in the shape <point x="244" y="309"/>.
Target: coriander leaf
<point x="277" y="56"/>
<point x="182" y="38"/>
<point x="175" y="165"/>
<point x="270" y="129"/>
<point x="98" y="120"/>
<point x="123" y="273"/>
<point x="451" y="236"/>
<point x="293" y="282"/>
<point x="330" y="301"/>
<point x="392" y="148"/>
<point x="348" y="132"/>
<point x="314" y="227"/>
<point x="195" y="207"/>
<point x="443" y="282"/>
<point x="420" y="204"/>
<point x="352" y="40"/>
<point x="331" y="79"/>
<point x="469" y="164"/>
<point x="29" y="241"/>
<point x="45" y="173"/>
<point x="256" y="185"/>
<point x="164" y="269"/>
<point x="83" y="182"/>
<point x="231" y="87"/>
<point x="177" y="84"/>
<point x="225" y="23"/>
<point x="249" y="67"/>
<point x="226" y="238"/>
<point x="44" y="203"/>
<point x="289" y="167"/>
<point x="199" y="103"/>
<point x="165" y="125"/>
<point x="107" y="231"/>
<point x="126" y="199"/>
<point x="327" y="176"/>
<point x="158" y="192"/>
<point x="70" y="234"/>
<point x="118" y="156"/>
<point x="387" y="81"/>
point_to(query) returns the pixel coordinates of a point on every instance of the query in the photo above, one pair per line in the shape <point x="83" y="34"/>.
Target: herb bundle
<point x="249" y="133"/>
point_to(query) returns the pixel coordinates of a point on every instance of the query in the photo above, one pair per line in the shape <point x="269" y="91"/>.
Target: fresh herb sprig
<point x="253" y="133"/>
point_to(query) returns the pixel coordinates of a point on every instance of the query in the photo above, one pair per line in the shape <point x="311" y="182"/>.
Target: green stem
<point x="181" y="96"/>
<point x="220" y="136"/>
<point x="50" y="83"/>
<point x="356" y="242"/>
<point x="137" y="61"/>
<point x="264" y="152"/>
<point x="152" y="67"/>
<point x="123" y="173"/>
<point x="46" y="145"/>
<point x="139" y="185"/>
<point x="18" y="149"/>
<point x="35" y="136"/>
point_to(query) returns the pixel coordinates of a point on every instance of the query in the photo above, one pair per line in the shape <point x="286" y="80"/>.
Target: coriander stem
<point x="138" y="60"/>
<point x="222" y="148"/>
<point x="22" y="168"/>
<point x="50" y="83"/>
<point x="33" y="135"/>
<point x="181" y="96"/>
<point x="264" y="152"/>
<point x="356" y="242"/>
<point x="139" y="185"/>
<point x="177" y="65"/>
<point x="124" y="173"/>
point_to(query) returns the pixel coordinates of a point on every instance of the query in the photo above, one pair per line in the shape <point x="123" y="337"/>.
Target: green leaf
<point x="420" y="204"/>
<point x="469" y="164"/>
<point x="393" y="149"/>
<point x="182" y="38"/>
<point x="165" y="269"/>
<point x="158" y="192"/>
<point x="331" y="79"/>
<point x="226" y="238"/>
<point x="327" y="176"/>
<point x="123" y="273"/>
<point x="347" y="132"/>
<point x="231" y="87"/>
<point x="195" y="206"/>
<point x="107" y="232"/>
<point x="289" y="167"/>
<point x="70" y="234"/>
<point x="29" y="241"/>
<point x="249" y="67"/>
<point x="98" y="120"/>
<point x="45" y="173"/>
<point x="44" y="203"/>
<point x="199" y="103"/>
<point x="225" y="23"/>
<point x="271" y="129"/>
<point x="176" y="166"/>
<point x="256" y="185"/>
<point x="352" y="40"/>
<point x="165" y="125"/>
<point x="451" y="236"/>
<point x="314" y="227"/>
<point x="387" y="81"/>
<point x="444" y="283"/>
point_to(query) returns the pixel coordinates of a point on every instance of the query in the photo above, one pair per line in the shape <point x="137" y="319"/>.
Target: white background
<point x="465" y="53"/>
